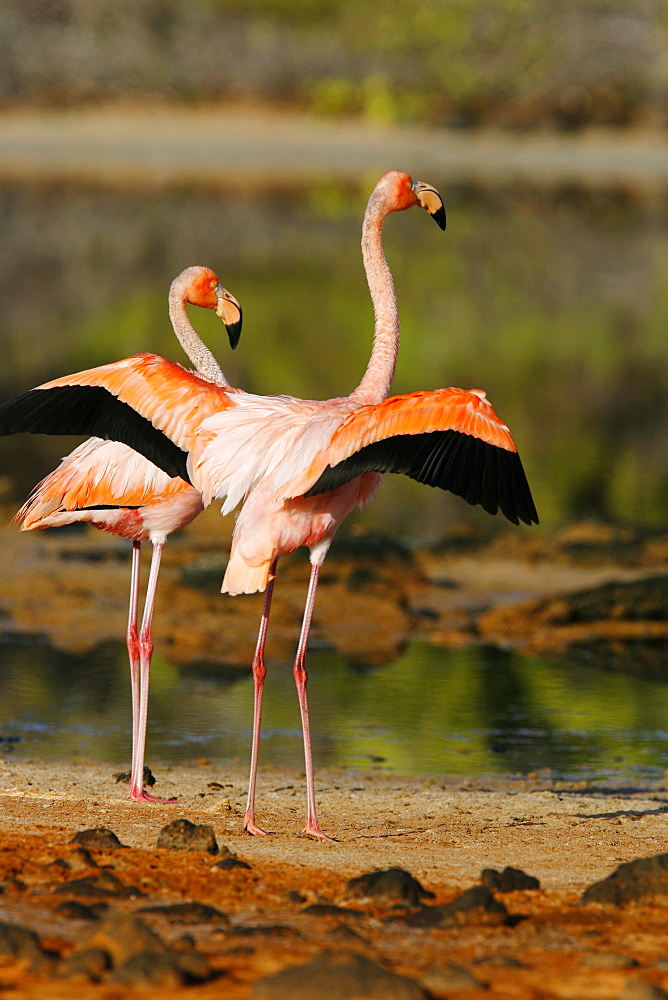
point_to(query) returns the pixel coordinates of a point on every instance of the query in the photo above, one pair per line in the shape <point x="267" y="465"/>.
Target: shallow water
<point x="432" y="711"/>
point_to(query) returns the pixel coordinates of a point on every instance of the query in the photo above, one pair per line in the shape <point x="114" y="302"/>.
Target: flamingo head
<point x="205" y="290"/>
<point x="402" y="191"/>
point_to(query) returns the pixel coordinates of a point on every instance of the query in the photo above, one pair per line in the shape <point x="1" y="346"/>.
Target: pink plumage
<point x="298" y="466"/>
<point x="114" y="488"/>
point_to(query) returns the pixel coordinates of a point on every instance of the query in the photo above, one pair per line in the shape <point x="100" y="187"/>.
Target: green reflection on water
<point x="432" y="711"/>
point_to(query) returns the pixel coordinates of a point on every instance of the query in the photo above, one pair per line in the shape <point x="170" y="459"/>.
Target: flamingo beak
<point x="229" y="310"/>
<point x="431" y="201"/>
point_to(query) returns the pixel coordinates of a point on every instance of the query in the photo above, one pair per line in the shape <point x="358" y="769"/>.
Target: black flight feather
<point x="91" y="410"/>
<point x="481" y="473"/>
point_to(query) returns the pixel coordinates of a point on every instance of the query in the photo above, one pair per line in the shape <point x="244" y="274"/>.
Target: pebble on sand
<point x="182" y="835"/>
<point x="631" y="881"/>
<point x="337" y="975"/>
<point x="188" y="913"/>
<point x="475" y="906"/>
<point x="389" y="887"/>
<point x="99" y="837"/>
<point x="509" y="880"/>
<point x="104" y="884"/>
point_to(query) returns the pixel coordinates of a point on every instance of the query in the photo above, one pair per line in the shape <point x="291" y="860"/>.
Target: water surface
<point x="432" y="711"/>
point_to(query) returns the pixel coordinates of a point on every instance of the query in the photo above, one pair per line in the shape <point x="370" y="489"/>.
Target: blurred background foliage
<point x="552" y="298"/>
<point x="516" y="63"/>
<point x="554" y="301"/>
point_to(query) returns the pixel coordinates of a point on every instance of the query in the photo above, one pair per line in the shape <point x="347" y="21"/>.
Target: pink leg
<point x="301" y="677"/>
<point x="137" y="792"/>
<point x="259" y="674"/>
<point x="132" y="642"/>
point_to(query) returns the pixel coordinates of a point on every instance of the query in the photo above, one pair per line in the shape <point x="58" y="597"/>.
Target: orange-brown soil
<point x="444" y="833"/>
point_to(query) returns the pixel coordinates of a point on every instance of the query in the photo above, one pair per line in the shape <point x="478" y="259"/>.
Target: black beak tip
<point x="439" y="217"/>
<point x="234" y="332"/>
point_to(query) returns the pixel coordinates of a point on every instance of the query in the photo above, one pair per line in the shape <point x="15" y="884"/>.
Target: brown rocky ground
<point x="443" y="833"/>
<point x="590" y="583"/>
<point x="530" y="591"/>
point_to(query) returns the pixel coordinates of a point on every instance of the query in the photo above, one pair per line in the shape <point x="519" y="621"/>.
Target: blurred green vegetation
<point x="432" y="711"/>
<point x="554" y="302"/>
<point x="516" y="63"/>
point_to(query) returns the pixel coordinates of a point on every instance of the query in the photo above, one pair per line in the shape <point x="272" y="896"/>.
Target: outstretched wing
<point x="151" y="404"/>
<point x="450" y="438"/>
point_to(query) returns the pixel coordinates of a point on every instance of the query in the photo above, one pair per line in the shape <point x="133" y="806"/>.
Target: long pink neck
<point x="375" y="385"/>
<point x="200" y="356"/>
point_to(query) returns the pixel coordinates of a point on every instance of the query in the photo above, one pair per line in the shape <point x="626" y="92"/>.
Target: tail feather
<point x="34" y="520"/>
<point x="240" y="578"/>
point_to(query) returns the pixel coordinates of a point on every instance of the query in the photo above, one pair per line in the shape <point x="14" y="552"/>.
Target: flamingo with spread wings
<point x="300" y="466"/>
<point x="109" y="485"/>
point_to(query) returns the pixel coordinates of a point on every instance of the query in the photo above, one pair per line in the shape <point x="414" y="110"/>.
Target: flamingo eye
<point x="213" y="283"/>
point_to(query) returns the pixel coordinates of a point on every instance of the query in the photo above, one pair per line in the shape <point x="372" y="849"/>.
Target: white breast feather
<point x="259" y="438"/>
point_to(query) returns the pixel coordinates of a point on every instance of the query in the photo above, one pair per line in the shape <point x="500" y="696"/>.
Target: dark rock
<point x="183" y="835"/>
<point x="20" y="942"/>
<point x="502" y="962"/>
<point x="475" y="906"/>
<point x="608" y="960"/>
<point x="185" y="942"/>
<point x="638" y="600"/>
<point x="123" y="777"/>
<point x="329" y="910"/>
<point x="293" y="896"/>
<point x="509" y="880"/>
<point x="122" y="935"/>
<point x="231" y="863"/>
<point x="77" y="911"/>
<point x="139" y="956"/>
<point x="166" y="970"/>
<point x="90" y="966"/>
<point x="59" y="863"/>
<point x="192" y="965"/>
<point x="344" y="935"/>
<point x="99" y="838"/>
<point x="388" y="887"/>
<point x="104" y="884"/>
<point x="148" y="968"/>
<point x="452" y="978"/>
<point x="264" y="930"/>
<point x="337" y="975"/>
<point x="634" y="600"/>
<point x="79" y="859"/>
<point x="14" y="887"/>
<point x="188" y="913"/>
<point x="631" y="881"/>
<point x="638" y="988"/>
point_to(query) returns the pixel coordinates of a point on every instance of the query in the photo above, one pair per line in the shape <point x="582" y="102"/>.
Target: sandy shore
<point x="443" y="832"/>
<point x="545" y="943"/>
